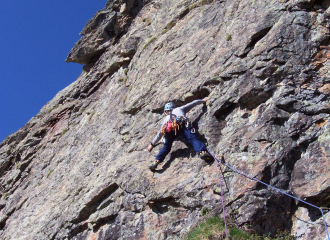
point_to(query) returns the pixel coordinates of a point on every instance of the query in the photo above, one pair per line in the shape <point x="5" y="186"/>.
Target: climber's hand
<point x="205" y="99"/>
<point x="150" y="148"/>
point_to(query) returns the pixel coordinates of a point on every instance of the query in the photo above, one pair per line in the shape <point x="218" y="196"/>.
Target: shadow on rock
<point x="196" y="126"/>
<point x="188" y="153"/>
<point x="180" y="153"/>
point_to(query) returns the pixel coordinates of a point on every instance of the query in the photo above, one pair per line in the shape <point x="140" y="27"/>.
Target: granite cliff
<point x="78" y="169"/>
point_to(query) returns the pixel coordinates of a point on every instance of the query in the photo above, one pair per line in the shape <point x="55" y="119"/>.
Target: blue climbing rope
<point x="274" y="188"/>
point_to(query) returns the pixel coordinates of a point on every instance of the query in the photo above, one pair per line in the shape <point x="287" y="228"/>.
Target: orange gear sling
<point x="170" y="126"/>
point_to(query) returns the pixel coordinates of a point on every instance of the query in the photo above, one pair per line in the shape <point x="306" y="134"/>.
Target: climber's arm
<point x="157" y="138"/>
<point x="186" y="108"/>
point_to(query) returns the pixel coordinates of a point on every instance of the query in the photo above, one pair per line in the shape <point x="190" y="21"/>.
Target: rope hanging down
<point x="223" y="205"/>
<point x="274" y="188"/>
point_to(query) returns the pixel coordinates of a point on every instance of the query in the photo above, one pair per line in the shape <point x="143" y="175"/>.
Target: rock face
<point x="78" y="170"/>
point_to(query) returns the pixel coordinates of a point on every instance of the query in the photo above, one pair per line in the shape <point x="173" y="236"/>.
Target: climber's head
<point x="169" y="107"/>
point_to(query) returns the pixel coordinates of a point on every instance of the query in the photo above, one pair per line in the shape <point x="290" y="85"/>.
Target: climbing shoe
<point x="153" y="166"/>
<point x="205" y="155"/>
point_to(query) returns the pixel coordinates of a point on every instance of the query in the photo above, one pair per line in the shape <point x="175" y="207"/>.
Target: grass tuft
<point x="50" y="172"/>
<point x="199" y="4"/>
<point x="6" y="196"/>
<point x="52" y="108"/>
<point x="210" y="228"/>
<point x="213" y="228"/>
<point x="64" y="131"/>
<point x="148" y="43"/>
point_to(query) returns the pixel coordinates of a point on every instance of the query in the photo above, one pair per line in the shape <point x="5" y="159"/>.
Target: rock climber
<point x="175" y="124"/>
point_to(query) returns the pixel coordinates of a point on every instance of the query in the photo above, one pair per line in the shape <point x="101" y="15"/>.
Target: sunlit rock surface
<point x="78" y="170"/>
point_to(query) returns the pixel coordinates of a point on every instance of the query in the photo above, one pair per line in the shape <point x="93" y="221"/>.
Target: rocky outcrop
<point x="78" y="169"/>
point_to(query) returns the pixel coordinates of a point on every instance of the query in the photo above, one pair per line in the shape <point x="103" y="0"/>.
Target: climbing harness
<point x="189" y="125"/>
<point x="276" y="189"/>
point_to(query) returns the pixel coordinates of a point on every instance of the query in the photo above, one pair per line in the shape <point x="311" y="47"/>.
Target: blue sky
<point x="35" y="38"/>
